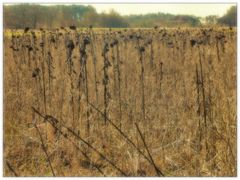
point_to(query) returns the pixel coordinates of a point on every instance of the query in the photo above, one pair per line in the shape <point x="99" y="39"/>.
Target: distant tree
<point x="186" y="19"/>
<point x="112" y="19"/>
<point x="35" y="16"/>
<point x="230" y="18"/>
<point x="90" y="18"/>
<point x="162" y="19"/>
<point x="211" y="19"/>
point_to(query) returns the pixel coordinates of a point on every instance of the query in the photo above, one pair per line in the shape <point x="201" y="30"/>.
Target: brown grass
<point x="171" y="108"/>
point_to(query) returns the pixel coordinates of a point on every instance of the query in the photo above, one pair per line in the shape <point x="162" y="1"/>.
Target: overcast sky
<point x="188" y="9"/>
<point x="200" y="10"/>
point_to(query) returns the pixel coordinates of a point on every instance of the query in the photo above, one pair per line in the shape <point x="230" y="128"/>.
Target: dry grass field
<point x="120" y="102"/>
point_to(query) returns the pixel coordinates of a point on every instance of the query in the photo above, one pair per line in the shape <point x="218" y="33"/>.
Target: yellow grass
<point x="177" y="105"/>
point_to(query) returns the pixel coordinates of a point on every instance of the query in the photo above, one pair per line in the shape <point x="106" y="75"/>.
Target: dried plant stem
<point x="119" y="86"/>
<point x="217" y="46"/>
<point x="160" y="80"/>
<point x="114" y="72"/>
<point x="105" y="80"/>
<point x="202" y="88"/>
<point x="94" y="63"/>
<point x="158" y="171"/>
<point x="43" y="73"/>
<point x="199" y="108"/>
<point x="83" y="76"/>
<point x="11" y="169"/>
<point x="142" y="86"/>
<point x="87" y="99"/>
<point x="122" y="133"/>
<point x="53" y="122"/>
<point x="44" y="149"/>
<point x="151" y="55"/>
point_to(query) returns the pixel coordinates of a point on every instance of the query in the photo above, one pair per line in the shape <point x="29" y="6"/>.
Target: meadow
<point x="120" y="102"/>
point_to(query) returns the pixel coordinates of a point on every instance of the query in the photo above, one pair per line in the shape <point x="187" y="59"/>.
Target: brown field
<point x="120" y="102"/>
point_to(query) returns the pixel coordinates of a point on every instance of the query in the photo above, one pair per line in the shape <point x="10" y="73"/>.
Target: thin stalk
<point x="44" y="149"/>
<point x="159" y="173"/>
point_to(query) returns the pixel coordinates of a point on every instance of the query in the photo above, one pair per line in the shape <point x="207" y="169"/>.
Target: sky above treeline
<point x="196" y="9"/>
<point x="186" y="9"/>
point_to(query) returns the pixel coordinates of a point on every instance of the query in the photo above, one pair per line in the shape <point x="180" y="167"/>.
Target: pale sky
<point x="187" y="9"/>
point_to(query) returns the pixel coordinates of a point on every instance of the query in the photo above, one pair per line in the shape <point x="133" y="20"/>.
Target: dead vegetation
<point x="125" y="102"/>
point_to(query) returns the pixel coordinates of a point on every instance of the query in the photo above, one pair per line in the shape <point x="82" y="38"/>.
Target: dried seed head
<point x="52" y="39"/>
<point x="35" y="72"/>
<point x="139" y="37"/>
<point x="30" y="48"/>
<point x="41" y="44"/>
<point x="86" y="40"/>
<point x="26" y="29"/>
<point x="115" y="41"/>
<point x="70" y="44"/>
<point x="73" y="28"/>
<point x="106" y="48"/>
<point x="130" y="36"/>
<point x="149" y="41"/>
<point x="141" y="49"/>
<point x="193" y="42"/>
<point x="170" y="44"/>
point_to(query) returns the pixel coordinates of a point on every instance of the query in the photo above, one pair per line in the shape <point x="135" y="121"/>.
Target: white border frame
<point x="114" y="2"/>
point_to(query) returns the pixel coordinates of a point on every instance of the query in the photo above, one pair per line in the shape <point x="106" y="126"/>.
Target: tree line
<point x="36" y="16"/>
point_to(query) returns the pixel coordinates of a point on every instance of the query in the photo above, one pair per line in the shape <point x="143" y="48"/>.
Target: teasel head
<point x="35" y="72"/>
<point x="105" y="80"/>
<point x="52" y="39"/>
<point x="139" y="37"/>
<point x="115" y="41"/>
<point x="86" y="41"/>
<point x="149" y="41"/>
<point x="106" y="48"/>
<point x="131" y="36"/>
<point x="26" y="29"/>
<point x="33" y="33"/>
<point x="170" y="44"/>
<point x="141" y="49"/>
<point x="193" y="42"/>
<point x="30" y="48"/>
<point x="41" y="44"/>
<point x="13" y="36"/>
<point x="73" y="28"/>
<point x="70" y="45"/>
<point x="220" y="36"/>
